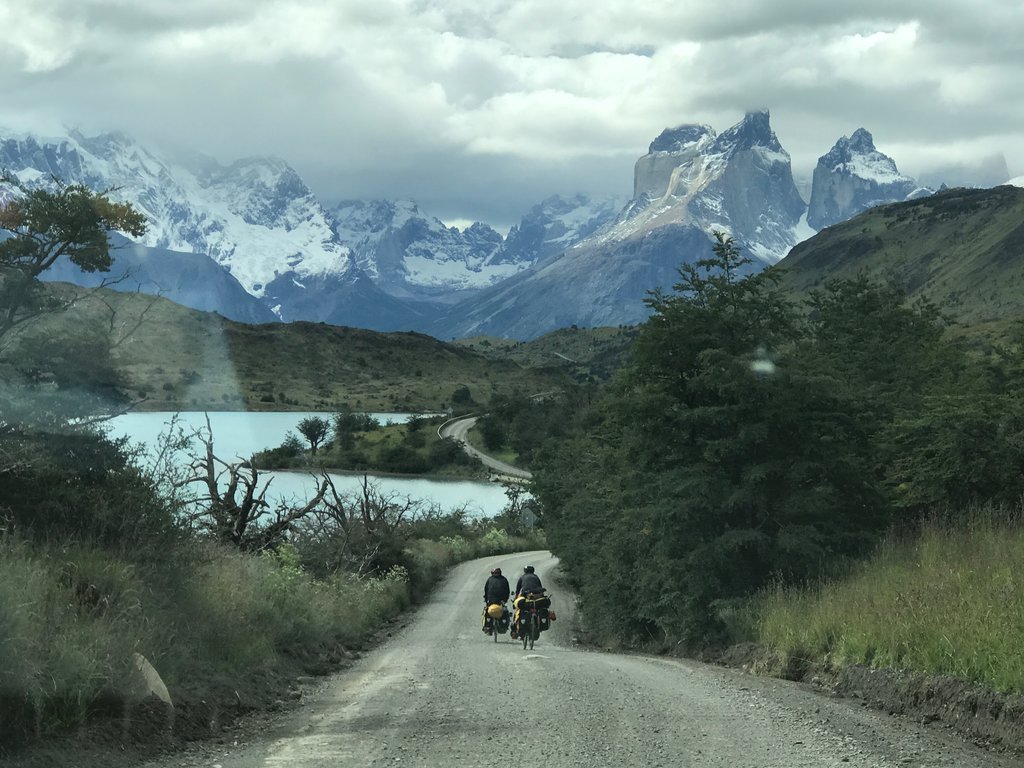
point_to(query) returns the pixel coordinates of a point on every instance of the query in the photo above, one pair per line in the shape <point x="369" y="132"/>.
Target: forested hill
<point x="137" y="346"/>
<point x="962" y="248"/>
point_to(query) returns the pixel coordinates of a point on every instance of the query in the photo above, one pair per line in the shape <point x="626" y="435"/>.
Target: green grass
<point x="950" y="601"/>
<point x="210" y="619"/>
<point x="583" y="353"/>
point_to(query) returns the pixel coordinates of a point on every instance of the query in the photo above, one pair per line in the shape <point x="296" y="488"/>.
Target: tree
<point x="492" y="432"/>
<point x="52" y="388"/>
<point x="715" y="464"/>
<point x="358" y="531"/>
<point x="234" y="508"/>
<point x="315" y="430"/>
<point x="44" y="225"/>
<point x="347" y="424"/>
<point x="462" y="397"/>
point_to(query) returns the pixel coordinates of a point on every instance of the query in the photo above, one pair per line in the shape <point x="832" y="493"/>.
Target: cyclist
<point x="528" y="583"/>
<point x="496" y="590"/>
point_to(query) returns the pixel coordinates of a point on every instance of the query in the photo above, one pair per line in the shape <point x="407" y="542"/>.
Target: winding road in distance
<point x="441" y="694"/>
<point x="458" y="429"/>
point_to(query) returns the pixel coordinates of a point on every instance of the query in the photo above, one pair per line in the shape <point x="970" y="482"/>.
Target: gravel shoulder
<point x="440" y="693"/>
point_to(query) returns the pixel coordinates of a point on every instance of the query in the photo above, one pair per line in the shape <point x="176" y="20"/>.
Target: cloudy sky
<point x="480" y="108"/>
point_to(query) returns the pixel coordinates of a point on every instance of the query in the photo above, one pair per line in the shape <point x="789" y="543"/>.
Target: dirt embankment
<point x="986" y="717"/>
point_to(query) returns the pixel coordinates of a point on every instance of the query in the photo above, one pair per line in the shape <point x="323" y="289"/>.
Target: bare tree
<point x="234" y="508"/>
<point x="360" y="525"/>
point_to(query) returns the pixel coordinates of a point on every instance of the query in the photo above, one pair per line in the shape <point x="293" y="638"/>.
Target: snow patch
<point x="874" y="167"/>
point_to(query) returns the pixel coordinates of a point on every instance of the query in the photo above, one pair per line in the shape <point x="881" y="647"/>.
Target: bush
<point x="83" y="486"/>
<point x="402" y="458"/>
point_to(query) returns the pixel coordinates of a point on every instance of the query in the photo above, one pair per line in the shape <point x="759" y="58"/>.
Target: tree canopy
<point x="41" y="226"/>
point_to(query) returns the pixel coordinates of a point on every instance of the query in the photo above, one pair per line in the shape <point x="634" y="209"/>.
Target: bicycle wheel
<point x="534" y="630"/>
<point x="525" y="629"/>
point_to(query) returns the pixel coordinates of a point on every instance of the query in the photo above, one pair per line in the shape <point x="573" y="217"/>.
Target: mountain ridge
<point x="387" y="265"/>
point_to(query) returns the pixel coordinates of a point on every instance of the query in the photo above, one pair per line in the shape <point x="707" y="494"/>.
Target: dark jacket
<point x="496" y="589"/>
<point x="528" y="582"/>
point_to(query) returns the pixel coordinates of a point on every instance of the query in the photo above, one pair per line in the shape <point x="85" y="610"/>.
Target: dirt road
<point x="440" y="693"/>
<point x="458" y="429"/>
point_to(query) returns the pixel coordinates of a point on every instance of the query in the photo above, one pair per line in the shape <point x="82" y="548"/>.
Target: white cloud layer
<point x="479" y="108"/>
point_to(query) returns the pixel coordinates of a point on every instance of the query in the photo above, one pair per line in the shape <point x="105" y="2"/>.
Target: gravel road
<point x="458" y="429"/>
<point x="440" y="693"/>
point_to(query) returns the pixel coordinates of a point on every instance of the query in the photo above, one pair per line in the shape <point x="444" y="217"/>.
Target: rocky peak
<point x="754" y="130"/>
<point x="654" y="173"/>
<point x="681" y="138"/>
<point x="860" y="141"/>
<point x="852" y="177"/>
<point x="555" y="224"/>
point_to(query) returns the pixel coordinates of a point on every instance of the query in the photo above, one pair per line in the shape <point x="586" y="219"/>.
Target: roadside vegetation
<point x="946" y="600"/>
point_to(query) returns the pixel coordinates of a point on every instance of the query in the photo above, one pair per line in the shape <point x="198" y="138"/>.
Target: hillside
<point x="179" y="358"/>
<point x="962" y="248"/>
<point x="585" y="353"/>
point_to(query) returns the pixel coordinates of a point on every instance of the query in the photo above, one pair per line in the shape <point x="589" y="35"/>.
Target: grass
<point x="583" y="353"/>
<point x="210" y="619"/>
<point x="948" y="601"/>
<point x="959" y="248"/>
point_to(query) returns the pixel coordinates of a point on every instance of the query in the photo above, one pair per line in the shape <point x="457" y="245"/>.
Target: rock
<point x="149" y="709"/>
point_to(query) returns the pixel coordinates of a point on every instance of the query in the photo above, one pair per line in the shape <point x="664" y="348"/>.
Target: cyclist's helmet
<point x="528" y="569"/>
<point x="495" y="571"/>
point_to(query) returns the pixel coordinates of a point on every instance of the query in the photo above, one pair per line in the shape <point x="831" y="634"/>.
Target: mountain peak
<point x="858" y="156"/>
<point x="754" y="130"/>
<point x="861" y="141"/>
<point x="854" y="176"/>
<point x="681" y="137"/>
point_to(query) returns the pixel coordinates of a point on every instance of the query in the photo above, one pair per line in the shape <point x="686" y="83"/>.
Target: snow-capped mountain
<point x="852" y="177"/>
<point x="691" y="182"/>
<point x="256" y="217"/>
<point x="409" y="254"/>
<point x="191" y="279"/>
<point x="257" y="239"/>
<point x="739" y="182"/>
<point x="555" y="224"/>
<point x="255" y="221"/>
<point x="377" y="264"/>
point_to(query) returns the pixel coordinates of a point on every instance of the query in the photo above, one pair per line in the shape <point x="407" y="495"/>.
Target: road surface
<point x="458" y="429"/>
<point x="440" y="693"/>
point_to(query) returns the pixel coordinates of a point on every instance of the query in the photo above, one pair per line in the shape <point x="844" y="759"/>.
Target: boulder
<point x="149" y="709"/>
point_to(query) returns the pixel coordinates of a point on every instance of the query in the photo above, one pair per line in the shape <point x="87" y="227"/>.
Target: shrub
<point x="83" y="486"/>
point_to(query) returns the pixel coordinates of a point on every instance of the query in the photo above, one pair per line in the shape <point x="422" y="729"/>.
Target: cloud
<point x="481" y="107"/>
